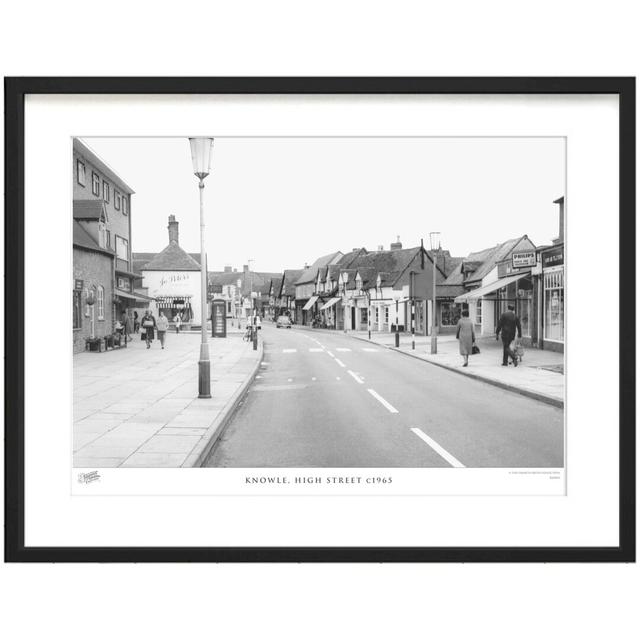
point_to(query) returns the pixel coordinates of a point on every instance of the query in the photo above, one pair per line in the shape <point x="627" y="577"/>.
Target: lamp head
<point x="201" y="156"/>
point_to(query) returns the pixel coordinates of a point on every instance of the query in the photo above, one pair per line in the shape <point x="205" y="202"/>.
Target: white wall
<point x="175" y="283"/>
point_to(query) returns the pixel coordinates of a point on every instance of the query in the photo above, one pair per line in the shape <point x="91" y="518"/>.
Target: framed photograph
<point x="341" y="319"/>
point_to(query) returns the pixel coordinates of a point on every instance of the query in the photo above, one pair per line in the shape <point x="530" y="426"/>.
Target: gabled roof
<point x="172" y="258"/>
<point x="89" y="209"/>
<point x="310" y="273"/>
<point x="289" y="279"/>
<point x="81" y="238"/>
<point x="487" y="258"/>
<point x="140" y="260"/>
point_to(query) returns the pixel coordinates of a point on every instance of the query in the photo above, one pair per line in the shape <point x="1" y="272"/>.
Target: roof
<point x="82" y="238"/>
<point x="489" y="257"/>
<point x="100" y="164"/>
<point x="258" y="281"/>
<point x="310" y="273"/>
<point x="89" y="209"/>
<point x="172" y="258"/>
<point x="140" y="260"/>
<point x="289" y="279"/>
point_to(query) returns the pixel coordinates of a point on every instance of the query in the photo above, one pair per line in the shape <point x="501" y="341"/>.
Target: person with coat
<point x="148" y="324"/>
<point x="508" y="324"/>
<point x="163" y="325"/>
<point x="178" y="321"/>
<point x="126" y="324"/>
<point x="466" y="335"/>
<point x="136" y="322"/>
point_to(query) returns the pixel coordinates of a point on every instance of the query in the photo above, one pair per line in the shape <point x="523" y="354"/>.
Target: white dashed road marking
<point x="382" y="401"/>
<point x="289" y="350"/>
<point x="342" y="364"/>
<point x="370" y="350"/>
<point x="337" y="377"/>
<point x="454" y="462"/>
<point x="343" y="349"/>
<point x="315" y="350"/>
<point x="331" y="354"/>
<point x="314" y="378"/>
<point x="356" y="377"/>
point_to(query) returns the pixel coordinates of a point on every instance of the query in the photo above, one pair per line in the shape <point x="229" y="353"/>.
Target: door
<point x="353" y="318"/>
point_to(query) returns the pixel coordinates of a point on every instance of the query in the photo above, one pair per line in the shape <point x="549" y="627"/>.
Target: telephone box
<point x="219" y="318"/>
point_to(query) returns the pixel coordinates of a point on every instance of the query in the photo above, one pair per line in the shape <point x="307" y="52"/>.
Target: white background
<point x="469" y="38"/>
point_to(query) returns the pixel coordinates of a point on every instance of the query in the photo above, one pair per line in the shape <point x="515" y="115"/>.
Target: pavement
<point x="540" y="374"/>
<point x="326" y="399"/>
<point x="139" y="407"/>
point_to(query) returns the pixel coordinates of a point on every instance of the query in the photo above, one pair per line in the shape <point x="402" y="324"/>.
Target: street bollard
<point x="254" y="333"/>
<point x="397" y="338"/>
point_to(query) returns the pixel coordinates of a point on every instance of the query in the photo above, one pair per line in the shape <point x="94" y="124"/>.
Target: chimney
<point x="227" y="269"/>
<point x="245" y="268"/>
<point x="380" y="247"/>
<point x="560" y="203"/>
<point x="173" y="230"/>
<point x="396" y="245"/>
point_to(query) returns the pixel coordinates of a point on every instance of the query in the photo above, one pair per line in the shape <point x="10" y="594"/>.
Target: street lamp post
<point x="435" y="248"/>
<point x="201" y="158"/>
<point x="397" y="332"/>
<point x="412" y="278"/>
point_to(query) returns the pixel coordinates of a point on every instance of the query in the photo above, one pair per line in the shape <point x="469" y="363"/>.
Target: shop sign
<point x="523" y="259"/>
<point x="79" y="284"/>
<point x="553" y="258"/>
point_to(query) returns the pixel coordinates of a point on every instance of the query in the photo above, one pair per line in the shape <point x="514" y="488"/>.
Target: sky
<point x="283" y="202"/>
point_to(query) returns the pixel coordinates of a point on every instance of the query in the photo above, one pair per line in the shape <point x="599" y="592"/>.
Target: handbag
<point x="475" y="349"/>
<point x="147" y="323"/>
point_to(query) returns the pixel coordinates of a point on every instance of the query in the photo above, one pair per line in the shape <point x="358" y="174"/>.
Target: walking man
<point x="507" y="325"/>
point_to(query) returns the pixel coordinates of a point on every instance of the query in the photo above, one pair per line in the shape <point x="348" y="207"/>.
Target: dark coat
<point x="150" y="331"/>
<point x="508" y="324"/>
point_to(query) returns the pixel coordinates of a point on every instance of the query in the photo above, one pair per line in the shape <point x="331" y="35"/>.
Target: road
<point x="328" y="400"/>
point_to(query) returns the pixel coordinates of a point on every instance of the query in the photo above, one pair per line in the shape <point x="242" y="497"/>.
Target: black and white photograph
<point x="319" y="302"/>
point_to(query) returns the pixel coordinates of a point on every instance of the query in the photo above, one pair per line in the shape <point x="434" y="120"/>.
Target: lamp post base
<point x="434" y="344"/>
<point x="204" y="372"/>
<point x="397" y="339"/>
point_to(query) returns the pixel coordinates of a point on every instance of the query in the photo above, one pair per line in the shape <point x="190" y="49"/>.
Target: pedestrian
<point x="178" y="321"/>
<point x="126" y="324"/>
<point x="163" y="325"/>
<point x="508" y="324"/>
<point x="148" y="324"/>
<point x="466" y="335"/>
<point x="136" y="323"/>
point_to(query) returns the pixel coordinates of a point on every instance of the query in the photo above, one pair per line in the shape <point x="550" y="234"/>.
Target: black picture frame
<point x="15" y="91"/>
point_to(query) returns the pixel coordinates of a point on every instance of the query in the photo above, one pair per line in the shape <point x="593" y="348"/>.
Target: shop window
<point x="554" y="305"/>
<point x="100" y="302"/>
<point x="479" y="311"/>
<point x="449" y="314"/>
<point x="95" y="184"/>
<point x="106" y="192"/>
<point x="386" y="315"/>
<point x="524" y="311"/>
<point x="81" y="173"/>
<point x="77" y="309"/>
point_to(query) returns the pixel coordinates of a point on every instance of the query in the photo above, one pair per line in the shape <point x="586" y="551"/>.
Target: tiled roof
<point x="291" y="276"/>
<point x="172" y="258"/>
<point x="140" y="260"/>
<point x="88" y="209"/>
<point x="310" y="273"/>
<point x="489" y="257"/>
<point x="82" y="238"/>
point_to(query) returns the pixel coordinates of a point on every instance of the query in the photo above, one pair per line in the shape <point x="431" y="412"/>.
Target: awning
<point x="401" y="301"/>
<point x="490" y="288"/>
<point x="169" y="302"/>
<point x="329" y="304"/>
<point x="310" y="303"/>
<point x="131" y="296"/>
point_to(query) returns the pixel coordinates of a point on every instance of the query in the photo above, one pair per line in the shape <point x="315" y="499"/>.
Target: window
<point x="95" y="184"/>
<point x="102" y="235"/>
<point x="81" y="173"/>
<point x="554" y="305"/>
<point x="364" y="315"/>
<point x="125" y="205"/>
<point x="100" y="302"/>
<point x="523" y="310"/>
<point x="479" y="311"/>
<point x="105" y="191"/>
<point x="122" y="248"/>
<point x="77" y="313"/>
<point x="386" y="315"/>
<point x="449" y="314"/>
<point x="124" y="284"/>
<point x="108" y="239"/>
<point x="377" y="315"/>
<point x="116" y="200"/>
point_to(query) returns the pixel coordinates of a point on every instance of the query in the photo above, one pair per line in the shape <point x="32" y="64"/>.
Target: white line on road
<point x="382" y="401"/>
<point x="314" y="378"/>
<point x="331" y="354"/>
<point x="315" y="350"/>
<point x="289" y="350"/>
<point x="264" y="364"/>
<point x="343" y="349"/>
<point x="356" y="377"/>
<point x="289" y="379"/>
<point x="370" y="350"/>
<point x="258" y="377"/>
<point x="342" y="364"/>
<point x="454" y="462"/>
<point x="337" y="377"/>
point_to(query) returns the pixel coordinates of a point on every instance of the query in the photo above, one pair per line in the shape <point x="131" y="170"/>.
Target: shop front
<point x="553" y="298"/>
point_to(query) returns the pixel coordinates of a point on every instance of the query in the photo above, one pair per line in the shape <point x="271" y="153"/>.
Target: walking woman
<point x="466" y="336"/>
<point x="163" y="325"/>
<point x="148" y="324"/>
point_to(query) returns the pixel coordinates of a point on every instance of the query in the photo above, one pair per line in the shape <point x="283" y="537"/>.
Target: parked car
<point x="283" y="321"/>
